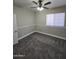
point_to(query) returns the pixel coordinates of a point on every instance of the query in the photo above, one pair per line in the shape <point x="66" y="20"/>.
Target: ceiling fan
<point x="41" y="6"/>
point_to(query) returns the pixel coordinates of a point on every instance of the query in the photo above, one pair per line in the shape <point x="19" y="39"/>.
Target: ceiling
<point x="28" y="3"/>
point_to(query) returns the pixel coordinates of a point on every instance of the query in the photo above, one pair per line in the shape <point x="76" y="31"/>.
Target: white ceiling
<point x="28" y="3"/>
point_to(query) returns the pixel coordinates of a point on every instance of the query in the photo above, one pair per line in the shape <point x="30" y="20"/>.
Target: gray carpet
<point x="39" y="46"/>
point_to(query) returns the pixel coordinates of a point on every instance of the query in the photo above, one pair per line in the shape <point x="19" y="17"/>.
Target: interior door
<point x="15" y="32"/>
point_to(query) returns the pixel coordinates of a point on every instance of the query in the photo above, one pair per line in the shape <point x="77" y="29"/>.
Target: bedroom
<point x="38" y="23"/>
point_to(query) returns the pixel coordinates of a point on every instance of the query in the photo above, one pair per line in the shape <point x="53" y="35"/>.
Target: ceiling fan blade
<point x="45" y="8"/>
<point x="47" y="3"/>
<point x="35" y="2"/>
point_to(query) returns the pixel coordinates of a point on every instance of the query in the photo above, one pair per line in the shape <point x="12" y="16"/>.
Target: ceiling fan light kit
<point x="40" y="6"/>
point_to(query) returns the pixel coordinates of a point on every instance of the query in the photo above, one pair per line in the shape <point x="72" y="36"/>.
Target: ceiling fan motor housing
<point x="40" y="3"/>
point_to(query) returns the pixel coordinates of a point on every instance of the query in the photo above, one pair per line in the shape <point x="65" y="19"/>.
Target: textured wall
<point x="25" y="20"/>
<point x="29" y="21"/>
<point x="41" y="22"/>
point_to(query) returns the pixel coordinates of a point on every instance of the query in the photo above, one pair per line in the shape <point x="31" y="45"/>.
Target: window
<point x="56" y="19"/>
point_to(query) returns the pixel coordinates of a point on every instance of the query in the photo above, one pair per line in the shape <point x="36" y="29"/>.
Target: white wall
<point x="29" y="21"/>
<point x="41" y="22"/>
<point x="25" y="20"/>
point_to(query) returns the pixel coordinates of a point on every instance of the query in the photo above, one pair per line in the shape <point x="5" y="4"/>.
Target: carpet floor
<point x="40" y="46"/>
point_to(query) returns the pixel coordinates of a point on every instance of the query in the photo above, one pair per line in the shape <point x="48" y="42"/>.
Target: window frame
<point x="57" y="26"/>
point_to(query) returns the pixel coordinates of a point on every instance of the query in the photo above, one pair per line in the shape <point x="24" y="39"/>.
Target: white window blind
<point x="56" y="19"/>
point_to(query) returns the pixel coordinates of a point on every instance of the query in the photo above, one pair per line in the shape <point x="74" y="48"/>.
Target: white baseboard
<point x="15" y="42"/>
<point x="42" y="33"/>
<point x="25" y="35"/>
<point x="51" y="35"/>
